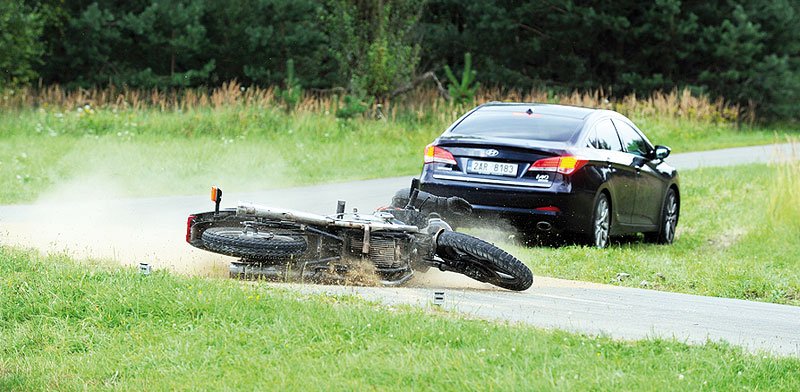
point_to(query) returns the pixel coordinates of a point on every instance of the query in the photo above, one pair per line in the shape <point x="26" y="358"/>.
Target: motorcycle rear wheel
<point x="234" y="241"/>
<point x="482" y="261"/>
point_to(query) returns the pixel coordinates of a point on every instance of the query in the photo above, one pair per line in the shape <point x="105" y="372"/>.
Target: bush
<point x="462" y="91"/>
<point x="293" y="90"/>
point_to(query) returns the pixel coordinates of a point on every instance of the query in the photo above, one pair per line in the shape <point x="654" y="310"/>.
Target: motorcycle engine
<point x="384" y="252"/>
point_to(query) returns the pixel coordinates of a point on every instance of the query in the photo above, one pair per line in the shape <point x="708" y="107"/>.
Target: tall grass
<point x="784" y="200"/>
<point x="420" y="103"/>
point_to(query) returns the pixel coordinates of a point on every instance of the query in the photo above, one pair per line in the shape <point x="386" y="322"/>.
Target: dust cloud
<point x="87" y="218"/>
<point x="92" y="218"/>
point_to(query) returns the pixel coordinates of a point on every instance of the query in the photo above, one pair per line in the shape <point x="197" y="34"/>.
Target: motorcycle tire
<point x="482" y="261"/>
<point x="233" y="241"/>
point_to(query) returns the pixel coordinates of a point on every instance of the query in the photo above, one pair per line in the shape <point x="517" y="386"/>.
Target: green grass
<point x="685" y="135"/>
<point x="734" y="239"/>
<point x="245" y="148"/>
<point x="173" y="153"/>
<point x="737" y="237"/>
<point x="67" y="326"/>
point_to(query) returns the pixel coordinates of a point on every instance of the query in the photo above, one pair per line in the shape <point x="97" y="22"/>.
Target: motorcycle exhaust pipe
<point x="544" y="226"/>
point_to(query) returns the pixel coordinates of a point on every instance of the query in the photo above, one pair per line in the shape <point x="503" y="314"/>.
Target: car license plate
<point x="492" y="168"/>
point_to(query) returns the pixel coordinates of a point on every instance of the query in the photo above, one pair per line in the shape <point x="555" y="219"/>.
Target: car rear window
<point x="519" y="125"/>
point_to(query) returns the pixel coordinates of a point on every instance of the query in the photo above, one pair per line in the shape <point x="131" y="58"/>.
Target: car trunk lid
<point x="497" y="161"/>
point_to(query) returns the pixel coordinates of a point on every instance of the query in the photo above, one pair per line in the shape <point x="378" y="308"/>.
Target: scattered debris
<point x="621" y="276"/>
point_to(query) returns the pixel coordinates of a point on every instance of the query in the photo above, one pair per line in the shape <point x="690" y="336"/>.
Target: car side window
<point x="604" y="136"/>
<point x="634" y="142"/>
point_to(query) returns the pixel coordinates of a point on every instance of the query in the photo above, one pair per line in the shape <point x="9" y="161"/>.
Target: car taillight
<point x="435" y="154"/>
<point x="564" y="165"/>
<point x="189" y="223"/>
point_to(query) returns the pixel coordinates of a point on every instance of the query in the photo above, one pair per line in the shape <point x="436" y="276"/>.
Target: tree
<point x="157" y="44"/>
<point x="253" y="39"/>
<point x="744" y="51"/>
<point x="374" y="43"/>
<point x="20" y="48"/>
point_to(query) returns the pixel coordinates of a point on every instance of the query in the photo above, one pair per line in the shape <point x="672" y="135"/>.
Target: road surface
<point x="150" y="230"/>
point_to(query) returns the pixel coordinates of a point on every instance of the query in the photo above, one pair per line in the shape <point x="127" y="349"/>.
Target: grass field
<point x="737" y="237"/>
<point x="730" y="242"/>
<point x="67" y="326"/>
<point x="243" y="148"/>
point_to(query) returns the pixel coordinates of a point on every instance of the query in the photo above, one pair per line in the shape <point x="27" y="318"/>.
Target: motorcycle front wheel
<point x="234" y="241"/>
<point x="482" y="261"/>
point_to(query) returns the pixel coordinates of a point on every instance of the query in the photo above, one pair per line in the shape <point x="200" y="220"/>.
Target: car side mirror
<point x="661" y="152"/>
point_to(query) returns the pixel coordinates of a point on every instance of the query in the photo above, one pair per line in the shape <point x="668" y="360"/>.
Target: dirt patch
<point x="86" y="219"/>
<point x="447" y="280"/>
<point x="728" y="238"/>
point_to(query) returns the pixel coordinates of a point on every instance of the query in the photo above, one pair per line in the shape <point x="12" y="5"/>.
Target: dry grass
<point x="420" y="103"/>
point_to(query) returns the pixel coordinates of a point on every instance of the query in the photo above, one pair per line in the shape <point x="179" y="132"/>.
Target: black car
<point x="555" y="169"/>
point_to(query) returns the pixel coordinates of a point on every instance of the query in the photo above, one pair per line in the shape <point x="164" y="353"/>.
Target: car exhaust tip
<point x="544" y="226"/>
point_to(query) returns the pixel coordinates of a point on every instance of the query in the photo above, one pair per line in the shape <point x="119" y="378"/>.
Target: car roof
<point x="575" y="112"/>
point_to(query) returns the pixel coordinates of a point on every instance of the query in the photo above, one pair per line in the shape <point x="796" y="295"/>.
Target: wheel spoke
<point x="671" y="218"/>
<point x="601" y="223"/>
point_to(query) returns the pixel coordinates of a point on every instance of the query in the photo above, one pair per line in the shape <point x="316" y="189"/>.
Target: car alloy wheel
<point x="670" y="218"/>
<point x="602" y="222"/>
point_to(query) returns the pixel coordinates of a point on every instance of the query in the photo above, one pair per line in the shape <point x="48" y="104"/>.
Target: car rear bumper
<point x="560" y="206"/>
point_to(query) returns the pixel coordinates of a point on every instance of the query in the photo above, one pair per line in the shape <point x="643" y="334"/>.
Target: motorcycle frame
<point x="323" y="254"/>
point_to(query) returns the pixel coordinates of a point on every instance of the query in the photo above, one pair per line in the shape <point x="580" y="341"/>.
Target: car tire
<point x="600" y="233"/>
<point x="670" y="212"/>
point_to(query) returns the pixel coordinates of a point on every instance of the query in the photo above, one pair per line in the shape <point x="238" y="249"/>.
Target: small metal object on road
<point x="144" y="268"/>
<point x="438" y="298"/>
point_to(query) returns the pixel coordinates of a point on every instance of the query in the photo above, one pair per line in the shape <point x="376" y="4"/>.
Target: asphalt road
<point x="150" y="230"/>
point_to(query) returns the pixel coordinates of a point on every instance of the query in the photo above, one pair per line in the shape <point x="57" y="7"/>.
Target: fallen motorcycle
<point x="408" y="236"/>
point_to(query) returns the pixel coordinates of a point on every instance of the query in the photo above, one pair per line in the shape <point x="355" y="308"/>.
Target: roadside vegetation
<point x="745" y="51"/>
<point x="737" y="237"/>
<point x="93" y="326"/>
<point x="142" y="99"/>
<point x="152" y="142"/>
<point x="734" y="237"/>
